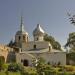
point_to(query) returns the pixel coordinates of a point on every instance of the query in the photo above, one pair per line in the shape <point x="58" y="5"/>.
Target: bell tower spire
<point x="21" y="36"/>
<point x="22" y="24"/>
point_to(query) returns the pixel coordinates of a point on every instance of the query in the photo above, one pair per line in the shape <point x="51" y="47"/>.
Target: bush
<point x="5" y="66"/>
<point x="69" y="68"/>
<point x="14" y="67"/>
<point x="2" y="61"/>
<point x="50" y="72"/>
<point x="29" y="71"/>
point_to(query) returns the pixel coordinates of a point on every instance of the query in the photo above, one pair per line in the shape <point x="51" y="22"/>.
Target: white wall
<point x="24" y="56"/>
<point x="39" y="45"/>
<point x="55" y="58"/>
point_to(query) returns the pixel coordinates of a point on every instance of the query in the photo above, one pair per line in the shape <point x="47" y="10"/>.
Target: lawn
<point x="2" y="73"/>
<point x="10" y="73"/>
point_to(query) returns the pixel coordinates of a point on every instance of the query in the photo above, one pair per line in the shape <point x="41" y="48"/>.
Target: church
<point x="26" y="50"/>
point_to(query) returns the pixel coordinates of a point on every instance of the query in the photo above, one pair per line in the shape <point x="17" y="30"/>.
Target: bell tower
<point x="21" y="35"/>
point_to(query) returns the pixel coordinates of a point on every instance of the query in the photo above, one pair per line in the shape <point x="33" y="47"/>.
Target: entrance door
<point x="25" y="62"/>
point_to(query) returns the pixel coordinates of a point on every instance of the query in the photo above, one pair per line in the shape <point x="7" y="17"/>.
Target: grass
<point x="2" y="73"/>
<point x="14" y="73"/>
<point x="10" y="73"/>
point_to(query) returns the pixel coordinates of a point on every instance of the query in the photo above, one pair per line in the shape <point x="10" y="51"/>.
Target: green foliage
<point x="9" y="73"/>
<point x="42" y="67"/>
<point x="69" y="68"/>
<point x="71" y="41"/>
<point x="14" y="67"/>
<point x="55" y="44"/>
<point x="11" y="44"/>
<point x="2" y="61"/>
<point x="42" y="70"/>
<point x="30" y="71"/>
<point x="14" y="73"/>
<point x="50" y="72"/>
<point x="71" y="56"/>
<point x="5" y="66"/>
<point x="2" y="73"/>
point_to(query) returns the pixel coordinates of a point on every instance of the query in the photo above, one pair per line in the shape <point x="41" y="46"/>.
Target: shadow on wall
<point x="70" y="58"/>
<point x="11" y="57"/>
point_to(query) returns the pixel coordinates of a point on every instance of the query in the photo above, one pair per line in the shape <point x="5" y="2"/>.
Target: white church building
<point x="29" y="50"/>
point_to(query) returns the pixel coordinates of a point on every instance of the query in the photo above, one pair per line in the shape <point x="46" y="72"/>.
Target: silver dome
<point x="38" y="30"/>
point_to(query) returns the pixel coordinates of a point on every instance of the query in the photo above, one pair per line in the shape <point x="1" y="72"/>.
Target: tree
<point x="71" y="41"/>
<point x="71" y="18"/>
<point x="55" y="44"/>
<point x="11" y="44"/>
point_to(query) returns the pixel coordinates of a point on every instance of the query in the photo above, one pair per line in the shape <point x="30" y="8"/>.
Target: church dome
<point x="21" y="33"/>
<point x="38" y="30"/>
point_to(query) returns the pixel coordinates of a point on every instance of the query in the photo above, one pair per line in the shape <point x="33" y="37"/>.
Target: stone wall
<point x="53" y="58"/>
<point x="39" y="45"/>
<point x="4" y="50"/>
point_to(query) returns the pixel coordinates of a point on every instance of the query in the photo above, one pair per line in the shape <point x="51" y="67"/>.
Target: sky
<point x="51" y="14"/>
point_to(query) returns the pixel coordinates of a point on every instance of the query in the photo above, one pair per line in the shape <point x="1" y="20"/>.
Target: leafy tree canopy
<point x="11" y="44"/>
<point x="55" y="44"/>
<point x="71" y="41"/>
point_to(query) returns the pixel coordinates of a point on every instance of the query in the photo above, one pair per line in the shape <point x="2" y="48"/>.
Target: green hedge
<point x="49" y="72"/>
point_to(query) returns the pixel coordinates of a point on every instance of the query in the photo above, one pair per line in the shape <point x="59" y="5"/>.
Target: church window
<point x="21" y="60"/>
<point x="37" y="39"/>
<point x="27" y="39"/>
<point x="34" y="46"/>
<point x="19" y="37"/>
<point x="23" y="37"/>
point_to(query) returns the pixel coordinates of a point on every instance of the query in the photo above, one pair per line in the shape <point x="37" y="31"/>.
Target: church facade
<point x="37" y="48"/>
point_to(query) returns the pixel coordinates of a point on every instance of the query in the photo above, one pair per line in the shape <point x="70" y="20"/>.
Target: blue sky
<point x="51" y="14"/>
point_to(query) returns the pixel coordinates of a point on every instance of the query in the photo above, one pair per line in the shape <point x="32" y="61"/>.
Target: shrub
<point x="2" y="61"/>
<point x="30" y="71"/>
<point x="14" y="67"/>
<point x="5" y="66"/>
<point x="69" y="68"/>
<point x="50" y="72"/>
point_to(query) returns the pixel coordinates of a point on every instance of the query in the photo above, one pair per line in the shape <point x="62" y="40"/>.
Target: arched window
<point x="37" y="39"/>
<point x="19" y="37"/>
<point x="23" y="37"/>
<point x="27" y="39"/>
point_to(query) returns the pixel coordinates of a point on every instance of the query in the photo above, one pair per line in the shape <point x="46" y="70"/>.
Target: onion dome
<point x="38" y="31"/>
